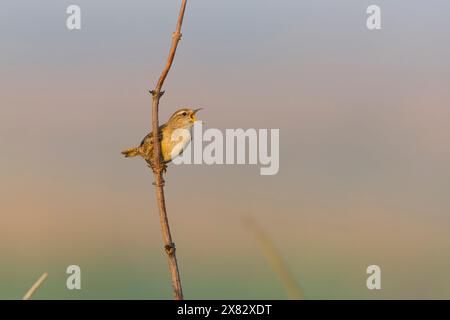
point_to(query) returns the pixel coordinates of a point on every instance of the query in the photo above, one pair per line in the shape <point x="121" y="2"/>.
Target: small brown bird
<point x="173" y="137"/>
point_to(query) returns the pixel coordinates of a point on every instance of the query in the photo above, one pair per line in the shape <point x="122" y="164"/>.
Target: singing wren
<point x="171" y="147"/>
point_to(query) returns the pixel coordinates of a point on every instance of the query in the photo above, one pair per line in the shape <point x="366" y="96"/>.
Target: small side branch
<point x="35" y="286"/>
<point x="176" y="37"/>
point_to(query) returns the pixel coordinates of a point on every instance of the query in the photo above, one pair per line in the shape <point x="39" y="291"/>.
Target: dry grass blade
<point x="275" y="260"/>
<point x="35" y="286"/>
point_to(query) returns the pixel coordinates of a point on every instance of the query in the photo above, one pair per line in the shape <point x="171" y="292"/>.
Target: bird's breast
<point x="173" y="145"/>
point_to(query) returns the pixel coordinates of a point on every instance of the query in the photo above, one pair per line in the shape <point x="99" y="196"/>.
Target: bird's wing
<point x="146" y="145"/>
<point x="148" y="139"/>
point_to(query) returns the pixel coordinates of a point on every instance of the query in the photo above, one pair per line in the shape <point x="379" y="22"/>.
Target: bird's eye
<point x="184" y="114"/>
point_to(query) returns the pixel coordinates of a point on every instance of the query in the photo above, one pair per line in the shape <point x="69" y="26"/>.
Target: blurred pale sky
<point x="364" y="130"/>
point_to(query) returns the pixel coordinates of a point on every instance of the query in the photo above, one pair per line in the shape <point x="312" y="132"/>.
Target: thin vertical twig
<point x="159" y="167"/>
<point x="35" y="286"/>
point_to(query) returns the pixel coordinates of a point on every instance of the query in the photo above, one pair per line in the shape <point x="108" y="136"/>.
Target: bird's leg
<point x="162" y="169"/>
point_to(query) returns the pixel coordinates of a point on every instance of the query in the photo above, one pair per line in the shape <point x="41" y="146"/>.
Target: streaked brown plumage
<point x="181" y="119"/>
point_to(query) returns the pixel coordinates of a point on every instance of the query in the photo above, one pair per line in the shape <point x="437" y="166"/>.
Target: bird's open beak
<point x="193" y="117"/>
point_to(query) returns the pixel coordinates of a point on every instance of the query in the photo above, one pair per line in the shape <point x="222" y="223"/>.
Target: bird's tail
<point x="133" y="152"/>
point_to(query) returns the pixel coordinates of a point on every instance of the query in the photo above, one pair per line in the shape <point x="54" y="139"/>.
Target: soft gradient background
<point x="364" y="119"/>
